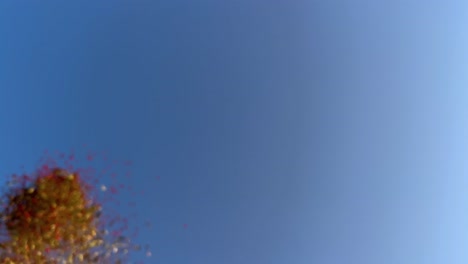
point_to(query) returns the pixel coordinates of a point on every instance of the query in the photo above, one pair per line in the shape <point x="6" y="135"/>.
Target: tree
<point x="51" y="218"/>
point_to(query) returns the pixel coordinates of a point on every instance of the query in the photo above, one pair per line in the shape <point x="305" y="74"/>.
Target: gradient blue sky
<point x="290" y="132"/>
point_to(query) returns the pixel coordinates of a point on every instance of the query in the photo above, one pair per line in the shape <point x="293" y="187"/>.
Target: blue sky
<point x="283" y="131"/>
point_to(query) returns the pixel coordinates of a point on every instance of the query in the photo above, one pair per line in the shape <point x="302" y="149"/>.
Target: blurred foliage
<point x="50" y="218"/>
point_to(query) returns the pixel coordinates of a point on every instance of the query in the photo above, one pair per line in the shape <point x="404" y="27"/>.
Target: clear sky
<point x="290" y="131"/>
